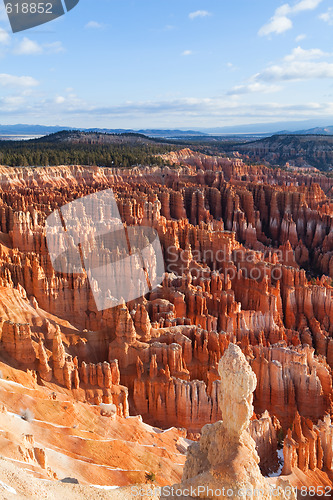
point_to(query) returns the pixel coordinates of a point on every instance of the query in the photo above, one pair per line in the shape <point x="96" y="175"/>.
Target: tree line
<point x="38" y="153"/>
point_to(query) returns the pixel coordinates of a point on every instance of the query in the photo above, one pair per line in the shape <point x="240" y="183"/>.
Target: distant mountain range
<point x="315" y="131"/>
<point x="259" y="129"/>
<point x="22" y="130"/>
<point x="298" y="127"/>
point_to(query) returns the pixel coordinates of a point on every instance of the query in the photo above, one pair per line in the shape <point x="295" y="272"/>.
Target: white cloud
<point x="199" y="13"/>
<point x="277" y="24"/>
<point x="306" y="5"/>
<point x="205" y="110"/>
<point x="17" y="81"/>
<point x="28" y="47"/>
<point x="231" y="66"/>
<point x="327" y="16"/>
<point x="3" y="13"/>
<point x="301" y="37"/>
<point x="4" y="36"/>
<point x="298" y="70"/>
<point x="210" y="111"/>
<point x="187" y="53"/>
<point x="299" y="54"/>
<point x="301" y="64"/>
<point x="13" y="102"/>
<point x="281" y="22"/>
<point x="60" y="99"/>
<point x="94" y="25"/>
<point x="54" y="47"/>
<point x="253" y="87"/>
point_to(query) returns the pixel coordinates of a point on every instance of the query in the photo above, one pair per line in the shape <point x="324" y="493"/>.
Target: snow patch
<point x="8" y="488"/>
<point x="11" y="382"/>
<point x="14" y="415"/>
<point x="104" y="487"/>
<point x="281" y="463"/>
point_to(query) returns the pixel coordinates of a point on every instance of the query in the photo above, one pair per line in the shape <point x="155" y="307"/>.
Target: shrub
<point x="27" y="415"/>
<point x="150" y="476"/>
<point x="280" y="437"/>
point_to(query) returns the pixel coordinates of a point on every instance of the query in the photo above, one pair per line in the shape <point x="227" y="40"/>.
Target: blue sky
<point x="171" y="64"/>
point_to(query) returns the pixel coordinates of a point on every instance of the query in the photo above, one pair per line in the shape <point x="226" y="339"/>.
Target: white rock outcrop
<point x="224" y="463"/>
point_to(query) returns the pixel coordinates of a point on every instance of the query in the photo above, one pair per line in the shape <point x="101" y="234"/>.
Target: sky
<point x="170" y="64"/>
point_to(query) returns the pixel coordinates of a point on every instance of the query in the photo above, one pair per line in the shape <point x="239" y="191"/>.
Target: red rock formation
<point x="308" y="446"/>
<point x="44" y="368"/>
<point x="17" y="342"/>
<point x="264" y="431"/>
<point x="235" y="238"/>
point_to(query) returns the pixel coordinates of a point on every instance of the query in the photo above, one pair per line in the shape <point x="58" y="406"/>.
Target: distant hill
<point x="95" y="138"/>
<point x="316" y="131"/>
<point x="22" y="131"/>
<point x="74" y="147"/>
<point x="29" y="130"/>
<point x="301" y="150"/>
<point x="172" y="134"/>
<point x="289" y="127"/>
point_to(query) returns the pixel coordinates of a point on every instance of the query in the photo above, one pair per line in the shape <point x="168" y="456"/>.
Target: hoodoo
<point x="224" y="463"/>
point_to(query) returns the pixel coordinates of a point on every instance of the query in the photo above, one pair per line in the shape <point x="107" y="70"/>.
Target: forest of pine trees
<point x="44" y="153"/>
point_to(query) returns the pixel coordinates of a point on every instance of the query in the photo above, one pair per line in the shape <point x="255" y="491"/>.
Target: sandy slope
<point x="17" y="484"/>
<point x="77" y="442"/>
